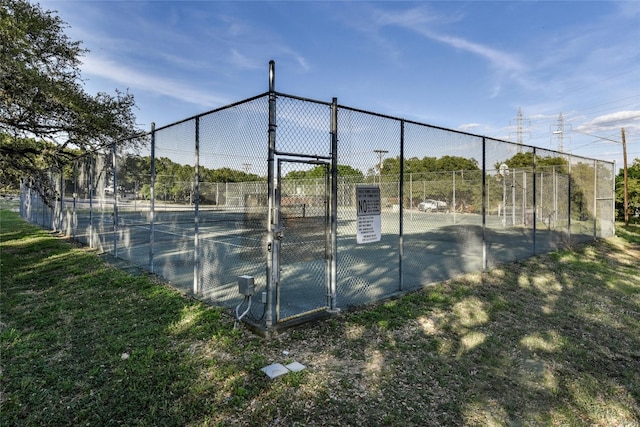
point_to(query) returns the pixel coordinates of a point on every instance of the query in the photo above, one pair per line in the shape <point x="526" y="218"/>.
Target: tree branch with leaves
<point x="44" y="108"/>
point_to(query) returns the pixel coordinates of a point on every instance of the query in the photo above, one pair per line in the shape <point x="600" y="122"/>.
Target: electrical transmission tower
<point x="559" y="132"/>
<point x="520" y="129"/>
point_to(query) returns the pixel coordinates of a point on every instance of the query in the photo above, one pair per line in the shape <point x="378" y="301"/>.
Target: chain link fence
<point x="267" y="188"/>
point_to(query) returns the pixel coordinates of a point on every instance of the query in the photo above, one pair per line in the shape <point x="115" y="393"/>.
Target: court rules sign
<point x="368" y="205"/>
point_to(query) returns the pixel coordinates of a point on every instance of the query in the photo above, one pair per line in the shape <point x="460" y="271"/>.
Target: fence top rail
<point x="459" y="132"/>
<point x="356" y="110"/>
<point x="215" y="110"/>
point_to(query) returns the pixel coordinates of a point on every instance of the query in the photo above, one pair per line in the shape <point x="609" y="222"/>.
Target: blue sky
<point x="466" y="65"/>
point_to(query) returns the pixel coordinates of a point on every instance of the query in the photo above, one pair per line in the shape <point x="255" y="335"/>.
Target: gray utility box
<point x="246" y="285"/>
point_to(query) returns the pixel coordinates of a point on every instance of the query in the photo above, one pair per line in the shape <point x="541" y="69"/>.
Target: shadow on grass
<point x="85" y="344"/>
<point x="547" y="341"/>
<point x="630" y="233"/>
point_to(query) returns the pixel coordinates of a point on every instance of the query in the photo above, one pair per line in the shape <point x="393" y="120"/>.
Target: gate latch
<point x="277" y="232"/>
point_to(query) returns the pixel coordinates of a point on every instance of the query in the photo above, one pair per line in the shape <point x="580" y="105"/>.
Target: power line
<point x="599" y="137"/>
<point x="595" y="108"/>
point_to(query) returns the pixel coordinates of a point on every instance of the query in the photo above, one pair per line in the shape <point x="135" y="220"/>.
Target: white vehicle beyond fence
<point x="431" y="205"/>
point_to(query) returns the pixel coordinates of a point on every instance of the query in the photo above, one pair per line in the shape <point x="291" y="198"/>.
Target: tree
<point x="633" y="173"/>
<point x="320" y="171"/>
<point x="456" y="163"/>
<point x="414" y="165"/>
<point x="525" y="161"/>
<point x="45" y="112"/>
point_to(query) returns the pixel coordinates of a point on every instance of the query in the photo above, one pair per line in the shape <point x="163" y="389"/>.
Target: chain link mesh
<point x="451" y="203"/>
<point x="233" y="201"/>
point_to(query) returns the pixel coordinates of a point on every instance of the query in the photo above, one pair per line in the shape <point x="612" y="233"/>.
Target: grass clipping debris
<point x="552" y="340"/>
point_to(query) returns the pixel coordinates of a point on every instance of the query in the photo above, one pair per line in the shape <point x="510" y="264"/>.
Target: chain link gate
<point x="302" y="216"/>
<point x="302" y="233"/>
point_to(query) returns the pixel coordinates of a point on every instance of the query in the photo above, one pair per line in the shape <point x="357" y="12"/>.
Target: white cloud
<point x="418" y="19"/>
<point x="467" y="127"/>
<point x="134" y="79"/>
<point x="243" y="62"/>
<point x="299" y="59"/>
<point x="617" y="120"/>
<point x="498" y="59"/>
<point x="608" y="119"/>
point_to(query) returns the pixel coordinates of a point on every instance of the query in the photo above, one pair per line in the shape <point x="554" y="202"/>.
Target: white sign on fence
<point x="368" y="207"/>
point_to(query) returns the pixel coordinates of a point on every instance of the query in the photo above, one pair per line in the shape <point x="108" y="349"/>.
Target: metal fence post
<point x="595" y="199"/>
<point x="524" y="198"/>
<point x="453" y="197"/>
<point x="484" y="203"/>
<point x="333" y="279"/>
<point x="114" y="166"/>
<point x="48" y="219"/>
<point x="513" y="197"/>
<point x="272" y="272"/>
<point x="535" y="201"/>
<point x="60" y="219"/>
<point x="22" y="197"/>
<point x="91" y="191"/>
<point x="401" y="211"/>
<point x="152" y="196"/>
<point x="42" y="207"/>
<point x="74" y="215"/>
<point x="569" y="189"/>
<point x="196" y="244"/>
<point x="555" y="198"/>
<point x="613" y="201"/>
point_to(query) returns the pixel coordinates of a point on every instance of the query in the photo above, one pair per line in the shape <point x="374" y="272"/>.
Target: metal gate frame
<point x="274" y="229"/>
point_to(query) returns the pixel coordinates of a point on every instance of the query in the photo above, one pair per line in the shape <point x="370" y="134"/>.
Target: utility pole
<point x="380" y="154"/>
<point x="626" y="179"/>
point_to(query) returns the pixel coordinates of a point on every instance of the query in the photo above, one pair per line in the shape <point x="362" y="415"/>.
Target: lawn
<point x="553" y="340"/>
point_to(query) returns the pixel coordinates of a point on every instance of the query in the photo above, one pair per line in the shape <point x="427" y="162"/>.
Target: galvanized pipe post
<point x="197" y="283"/>
<point x="114" y="160"/>
<point x="595" y="199"/>
<point x="484" y="204"/>
<point x="271" y="273"/>
<point x="22" y="198"/>
<point x="60" y="217"/>
<point x="333" y="276"/>
<point x="401" y="211"/>
<point x="534" y="217"/>
<point x="453" y="198"/>
<point x="613" y="192"/>
<point x="569" y="195"/>
<point x="513" y="197"/>
<point x="74" y="220"/>
<point x="152" y="197"/>
<point x="91" y="191"/>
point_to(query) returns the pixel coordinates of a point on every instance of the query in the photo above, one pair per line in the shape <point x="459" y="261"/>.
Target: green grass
<point x="553" y="340"/>
<point x="10" y="203"/>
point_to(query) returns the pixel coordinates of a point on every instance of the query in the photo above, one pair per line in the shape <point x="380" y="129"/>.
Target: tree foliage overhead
<point x="42" y="95"/>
